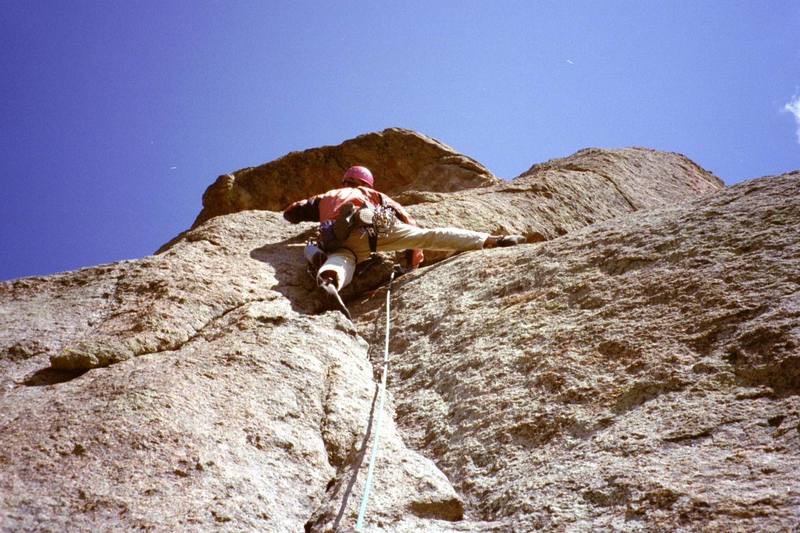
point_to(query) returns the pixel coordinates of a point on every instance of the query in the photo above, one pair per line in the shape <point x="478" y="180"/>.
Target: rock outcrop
<point x="400" y="160"/>
<point x="637" y="369"/>
<point x="563" y="195"/>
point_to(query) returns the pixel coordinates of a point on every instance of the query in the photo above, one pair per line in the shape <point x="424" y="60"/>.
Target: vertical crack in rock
<point x="339" y="492"/>
<point x="327" y="398"/>
<point x="406" y="484"/>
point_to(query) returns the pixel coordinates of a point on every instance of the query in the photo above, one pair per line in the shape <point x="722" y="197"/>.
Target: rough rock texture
<point x="238" y="413"/>
<point x="562" y="195"/>
<point x="400" y="160"/>
<point x="640" y="370"/>
<point x="642" y="373"/>
<point x="644" y="177"/>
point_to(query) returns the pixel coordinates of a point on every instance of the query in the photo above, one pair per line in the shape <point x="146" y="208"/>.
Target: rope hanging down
<point x="362" y="509"/>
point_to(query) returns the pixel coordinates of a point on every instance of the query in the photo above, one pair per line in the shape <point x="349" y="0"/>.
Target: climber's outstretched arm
<point x="303" y="211"/>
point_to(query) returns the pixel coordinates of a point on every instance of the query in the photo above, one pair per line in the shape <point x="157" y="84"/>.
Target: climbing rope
<point x="362" y="509"/>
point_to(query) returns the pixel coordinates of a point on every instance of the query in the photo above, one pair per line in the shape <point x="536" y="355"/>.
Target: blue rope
<point x="362" y="509"/>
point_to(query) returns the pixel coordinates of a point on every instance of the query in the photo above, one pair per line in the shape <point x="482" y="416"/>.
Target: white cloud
<point x="793" y="107"/>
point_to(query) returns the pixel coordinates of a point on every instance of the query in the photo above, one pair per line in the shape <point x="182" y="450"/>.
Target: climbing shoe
<point x="504" y="240"/>
<point x="333" y="302"/>
<point x="510" y="240"/>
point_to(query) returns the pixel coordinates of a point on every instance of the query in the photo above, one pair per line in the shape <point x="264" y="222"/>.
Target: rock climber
<point x="357" y="221"/>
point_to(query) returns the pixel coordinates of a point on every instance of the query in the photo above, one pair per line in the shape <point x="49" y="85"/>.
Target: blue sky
<point x="116" y="115"/>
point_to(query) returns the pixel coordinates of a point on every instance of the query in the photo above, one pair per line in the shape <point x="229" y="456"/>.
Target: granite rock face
<point x="217" y="399"/>
<point x="637" y="367"/>
<point x="641" y="373"/>
<point x="399" y="159"/>
<point x="563" y="195"/>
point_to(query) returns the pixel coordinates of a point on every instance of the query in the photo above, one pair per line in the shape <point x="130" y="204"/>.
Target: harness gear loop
<point x="377" y="222"/>
<point x="362" y="509"/>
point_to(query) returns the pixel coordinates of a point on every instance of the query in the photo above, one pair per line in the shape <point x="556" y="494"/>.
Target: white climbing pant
<point x="402" y="237"/>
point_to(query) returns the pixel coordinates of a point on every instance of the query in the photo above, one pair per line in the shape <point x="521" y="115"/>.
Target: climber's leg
<point x="333" y="275"/>
<point x="339" y="266"/>
<point x="405" y="236"/>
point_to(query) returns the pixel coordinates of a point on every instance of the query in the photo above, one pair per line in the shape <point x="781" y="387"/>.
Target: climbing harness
<point x="362" y="509"/>
<point x="372" y="221"/>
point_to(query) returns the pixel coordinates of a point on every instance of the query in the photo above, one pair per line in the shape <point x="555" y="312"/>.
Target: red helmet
<point x="360" y="175"/>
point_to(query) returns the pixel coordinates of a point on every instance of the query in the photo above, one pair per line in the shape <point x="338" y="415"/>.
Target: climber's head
<point x="358" y="176"/>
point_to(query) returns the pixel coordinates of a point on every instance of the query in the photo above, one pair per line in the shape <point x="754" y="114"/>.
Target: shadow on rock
<point x="52" y="376"/>
<point x="356" y="464"/>
<point x="293" y="282"/>
<point x="296" y="282"/>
